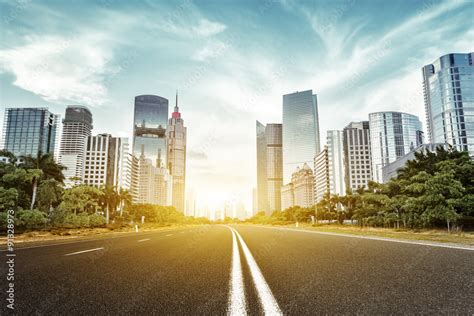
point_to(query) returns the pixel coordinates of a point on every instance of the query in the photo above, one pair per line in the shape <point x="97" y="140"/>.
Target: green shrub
<point x="3" y="221"/>
<point x="31" y="219"/>
<point x="96" y="220"/>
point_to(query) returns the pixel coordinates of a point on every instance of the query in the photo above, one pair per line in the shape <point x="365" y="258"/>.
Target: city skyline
<point x="377" y="67"/>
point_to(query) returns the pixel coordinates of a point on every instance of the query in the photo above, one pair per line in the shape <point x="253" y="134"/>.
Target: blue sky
<point x="230" y="60"/>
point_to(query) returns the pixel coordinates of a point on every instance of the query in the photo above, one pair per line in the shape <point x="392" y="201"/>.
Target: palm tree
<point x="125" y="199"/>
<point x="42" y="167"/>
<point x="109" y="199"/>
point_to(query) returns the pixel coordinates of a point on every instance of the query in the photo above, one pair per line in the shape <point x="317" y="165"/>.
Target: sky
<point x="231" y="62"/>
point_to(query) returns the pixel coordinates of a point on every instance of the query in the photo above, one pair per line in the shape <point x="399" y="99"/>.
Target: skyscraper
<point x="273" y="136"/>
<point x="357" y="157"/>
<point x="448" y="87"/>
<point x="103" y="157"/>
<point x="321" y="175"/>
<point x="149" y="128"/>
<point x="300" y="131"/>
<point x="392" y="135"/>
<point x="149" y="143"/>
<point x="335" y="147"/>
<point x="262" y="198"/>
<point x="77" y="126"/>
<point x="176" y="143"/>
<point x="269" y="167"/>
<point x="29" y="131"/>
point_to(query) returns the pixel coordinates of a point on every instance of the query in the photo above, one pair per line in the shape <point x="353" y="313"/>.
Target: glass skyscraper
<point x="29" y="131"/>
<point x="392" y="135"/>
<point x="448" y="87"/>
<point x="300" y="131"/>
<point x="149" y="129"/>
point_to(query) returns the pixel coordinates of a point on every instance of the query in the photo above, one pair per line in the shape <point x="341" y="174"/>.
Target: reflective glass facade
<point x="300" y="131"/>
<point x="448" y="87"/>
<point x="149" y="129"/>
<point x="392" y="135"/>
<point x="261" y="167"/>
<point x="28" y="131"/>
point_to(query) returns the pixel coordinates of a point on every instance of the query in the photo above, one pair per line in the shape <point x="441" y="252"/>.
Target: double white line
<point x="237" y="302"/>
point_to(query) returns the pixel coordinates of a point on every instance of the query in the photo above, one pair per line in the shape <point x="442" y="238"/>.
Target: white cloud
<point x="208" y="28"/>
<point x="61" y="69"/>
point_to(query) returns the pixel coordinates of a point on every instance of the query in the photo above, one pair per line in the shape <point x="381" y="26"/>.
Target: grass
<point x="71" y="233"/>
<point x="436" y="235"/>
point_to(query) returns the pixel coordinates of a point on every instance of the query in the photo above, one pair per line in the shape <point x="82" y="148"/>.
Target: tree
<point x="125" y="199"/>
<point x="109" y="199"/>
<point x="8" y="198"/>
<point x="42" y="167"/>
<point x="81" y="198"/>
<point x="49" y="195"/>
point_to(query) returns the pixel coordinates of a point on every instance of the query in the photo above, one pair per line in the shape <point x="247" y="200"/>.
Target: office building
<point x="287" y="196"/>
<point x="77" y="126"/>
<point x="337" y="184"/>
<point x="269" y="167"/>
<point x="262" y="197"/>
<point x="300" y="131"/>
<point x="390" y="171"/>
<point x="357" y="157"/>
<point x="104" y="160"/>
<point x="176" y="158"/>
<point x="392" y="135"/>
<point x="149" y="127"/>
<point x="155" y="184"/>
<point x="448" y="88"/>
<point x="30" y="131"/>
<point x="321" y="175"/>
<point x="303" y="186"/>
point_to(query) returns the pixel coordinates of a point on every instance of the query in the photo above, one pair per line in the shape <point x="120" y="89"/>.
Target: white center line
<point x="237" y="303"/>
<point x="146" y="239"/>
<point x="267" y="300"/>
<point x="169" y="235"/>
<point x="83" y="251"/>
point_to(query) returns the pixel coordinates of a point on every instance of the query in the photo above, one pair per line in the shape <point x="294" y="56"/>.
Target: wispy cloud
<point x="61" y="68"/>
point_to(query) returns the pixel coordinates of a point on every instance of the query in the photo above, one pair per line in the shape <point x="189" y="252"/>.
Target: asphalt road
<point x="247" y="269"/>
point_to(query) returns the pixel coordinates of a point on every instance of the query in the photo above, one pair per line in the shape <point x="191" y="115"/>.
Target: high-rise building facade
<point x="176" y="157"/>
<point x="321" y="175"/>
<point x="103" y="161"/>
<point x="334" y="141"/>
<point x="303" y="186"/>
<point x="448" y="87"/>
<point x="262" y="197"/>
<point x="149" y="128"/>
<point x="30" y="131"/>
<point x="300" y="131"/>
<point x="392" y="135"/>
<point x="269" y="167"/>
<point x="287" y="196"/>
<point x="155" y="184"/>
<point x="273" y="135"/>
<point x="357" y="157"/>
<point x="77" y="126"/>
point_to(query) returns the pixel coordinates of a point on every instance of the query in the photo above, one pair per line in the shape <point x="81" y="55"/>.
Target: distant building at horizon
<point x="77" y="126"/>
<point x="176" y="157"/>
<point x="269" y="167"/>
<point x="357" y="156"/>
<point x="392" y="135"/>
<point x="448" y="89"/>
<point x="30" y="131"/>
<point x="301" y="140"/>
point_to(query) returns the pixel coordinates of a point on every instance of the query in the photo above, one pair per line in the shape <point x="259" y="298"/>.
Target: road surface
<point x="238" y="269"/>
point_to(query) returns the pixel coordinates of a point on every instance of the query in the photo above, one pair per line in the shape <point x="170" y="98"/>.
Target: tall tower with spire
<point x="176" y="156"/>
